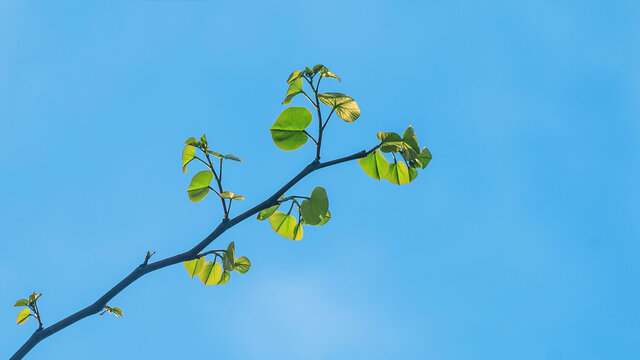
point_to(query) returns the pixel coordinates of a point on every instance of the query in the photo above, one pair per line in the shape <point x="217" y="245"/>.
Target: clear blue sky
<point x="519" y="241"/>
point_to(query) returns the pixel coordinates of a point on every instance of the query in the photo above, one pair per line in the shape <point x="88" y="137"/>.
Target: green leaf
<point x="324" y="72"/>
<point x="242" y="265"/>
<point x="117" y="311"/>
<point x="287" y="131"/>
<point x="325" y="219"/>
<point x="226" y="275"/>
<point x="295" y="88"/>
<point x="423" y="159"/>
<point x="266" y="213"/>
<point x="194" y="266"/>
<point x="391" y="142"/>
<point x="199" y="187"/>
<point x="228" y="259"/>
<point x="294" y="76"/>
<point x="231" y="157"/>
<point x="230" y="195"/>
<point x="398" y="173"/>
<point x="409" y="138"/>
<point x="21" y="302"/>
<point x="375" y="165"/>
<point x="283" y="224"/>
<point x="34" y="297"/>
<point x="23" y="315"/>
<point x="203" y="140"/>
<point x="413" y="173"/>
<point x="211" y="273"/>
<point x="315" y="208"/>
<point x="188" y="154"/>
<point x="192" y="141"/>
<point x="345" y="107"/>
<point x="216" y="154"/>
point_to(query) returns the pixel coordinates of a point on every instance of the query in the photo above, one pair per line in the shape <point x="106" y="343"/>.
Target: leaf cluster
<point x="214" y="272"/>
<point x="30" y="309"/>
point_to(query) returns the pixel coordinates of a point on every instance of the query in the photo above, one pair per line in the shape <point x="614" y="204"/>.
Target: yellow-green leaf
<point x="398" y="173"/>
<point x="266" y="213"/>
<point x="284" y="225"/>
<point x="295" y="88"/>
<point x="344" y="106"/>
<point x="194" y="266"/>
<point x="375" y="165"/>
<point x="230" y="195"/>
<point x="21" y="302"/>
<point x="117" y="311"/>
<point x="211" y="273"/>
<point x="188" y="154"/>
<point x="242" y="265"/>
<point x="287" y="131"/>
<point x="23" y="315"/>
<point x="199" y="187"/>
<point x="226" y="275"/>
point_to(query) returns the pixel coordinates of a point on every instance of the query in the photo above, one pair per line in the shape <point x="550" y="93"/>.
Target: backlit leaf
<point x="294" y="76"/>
<point x="345" y="107"/>
<point x="199" y="187"/>
<point x="242" y="265"/>
<point x="211" y="273"/>
<point x="194" y="266"/>
<point x="23" y="315"/>
<point x="224" y="278"/>
<point x="188" y="154"/>
<point x="283" y="224"/>
<point x="391" y="142"/>
<point x="117" y="311"/>
<point x="375" y="165"/>
<point x="230" y="195"/>
<point x="264" y="214"/>
<point x="192" y="141"/>
<point x="398" y="173"/>
<point x="295" y="88"/>
<point x="287" y="131"/>
<point x="228" y="259"/>
<point x="21" y="302"/>
<point x="324" y="72"/>
<point x="231" y="157"/>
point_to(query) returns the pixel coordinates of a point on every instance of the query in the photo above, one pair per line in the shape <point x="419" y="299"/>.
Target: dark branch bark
<point x="191" y="254"/>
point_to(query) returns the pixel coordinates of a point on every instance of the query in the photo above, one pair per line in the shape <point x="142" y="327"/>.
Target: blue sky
<point x="519" y="240"/>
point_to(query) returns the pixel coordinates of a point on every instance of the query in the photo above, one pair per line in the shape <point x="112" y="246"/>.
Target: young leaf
<point x="228" y="259"/>
<point x="398" y="173"/>
<point x="410" y="140"/>
<point x="375" y="165"/>
<point x="199" y="187"/>
<point x="324" y="72"/>
<point x="297" y="232"/>
<point x="294" y="89"/>
<point x="211" y="273"/>
<point x="192" y="141"/>
<point x="423" y="159"/>
<point x="391" y="142"/>
<point x="117" y="311"/>
<point x="203" y="140"/>
<point x="23" y="315"/>
<point x="226" y="275"/>
<point x="34" y="297"/>
<point x="314" y="209"/>
<point x="216" y="154"/>
<point x="413" y="173"/>
<point x="194" y="266"/>
<point x="283" y="224"/>
<point x="242" y="265"/>
<point x="345" y="107"/>
<point x="266" y="213"/>
<point x="188" y="154"/>
<point x="231" y="157"/>
<point x="294" y="76"/>
<point x="21" y="302"/>
<point x="230" y="195"/>
<point x="287" y="131"/>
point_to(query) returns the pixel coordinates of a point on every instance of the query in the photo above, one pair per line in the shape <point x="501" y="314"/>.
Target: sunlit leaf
<point x="423" y="159"/>
<point x="345" y="107"/>
<point x="287" y="131"/>
<point x="215" y="153"/>
<point x="375" y="165"/>
<point x="211" y="273"/>
<point x="295" y="88"/>
<point x="398" y="173"/>
<point x="228" y="259"/>
<point x="324" y="72"/>
<point x="199" y="187"/>
<point x="194" y="266"/>
<point x="231" y="157"/>
<point x="203" y="139"/>
<point x="117" y="311"/>
<point x="264" y="214"/>
<point x="314" y="208"/>
<point x="391" y="142"/>
<point x="21" y="302"/>
<point x="226" y="275"/>
<point x="242" y="265"/>
<point x="188" y="154"/>
<point x="294" y="76"/>
<point x="230" y="195"/>
<point x="192" y="141"/>
<point x="283" y="224"/>
<point x="34" y="297"/>
<point x="23" y="315"/>
<point x="413" y="173"/>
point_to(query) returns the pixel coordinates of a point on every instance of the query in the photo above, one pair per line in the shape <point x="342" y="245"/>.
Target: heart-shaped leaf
<point x="284" y="225"/>
<point x="194" y="266"/>
<point x="226" y="275"/>
<point x="287" y="131"/>
<point x="294" y="76"/>
<point x="375" y="165"/>
<point x="211" y="273"/>
<point x="199" y="187"/>
<point x="324" y="72"/>
<point x="242" y="265"/>
<point x="315" y="208"/>
<point x="344" y="106"/>
<point x="391" y="142"/>
<point x="398" y="173"/>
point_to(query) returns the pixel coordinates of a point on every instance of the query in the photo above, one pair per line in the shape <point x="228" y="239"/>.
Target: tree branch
<point x="193" y="253"/>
